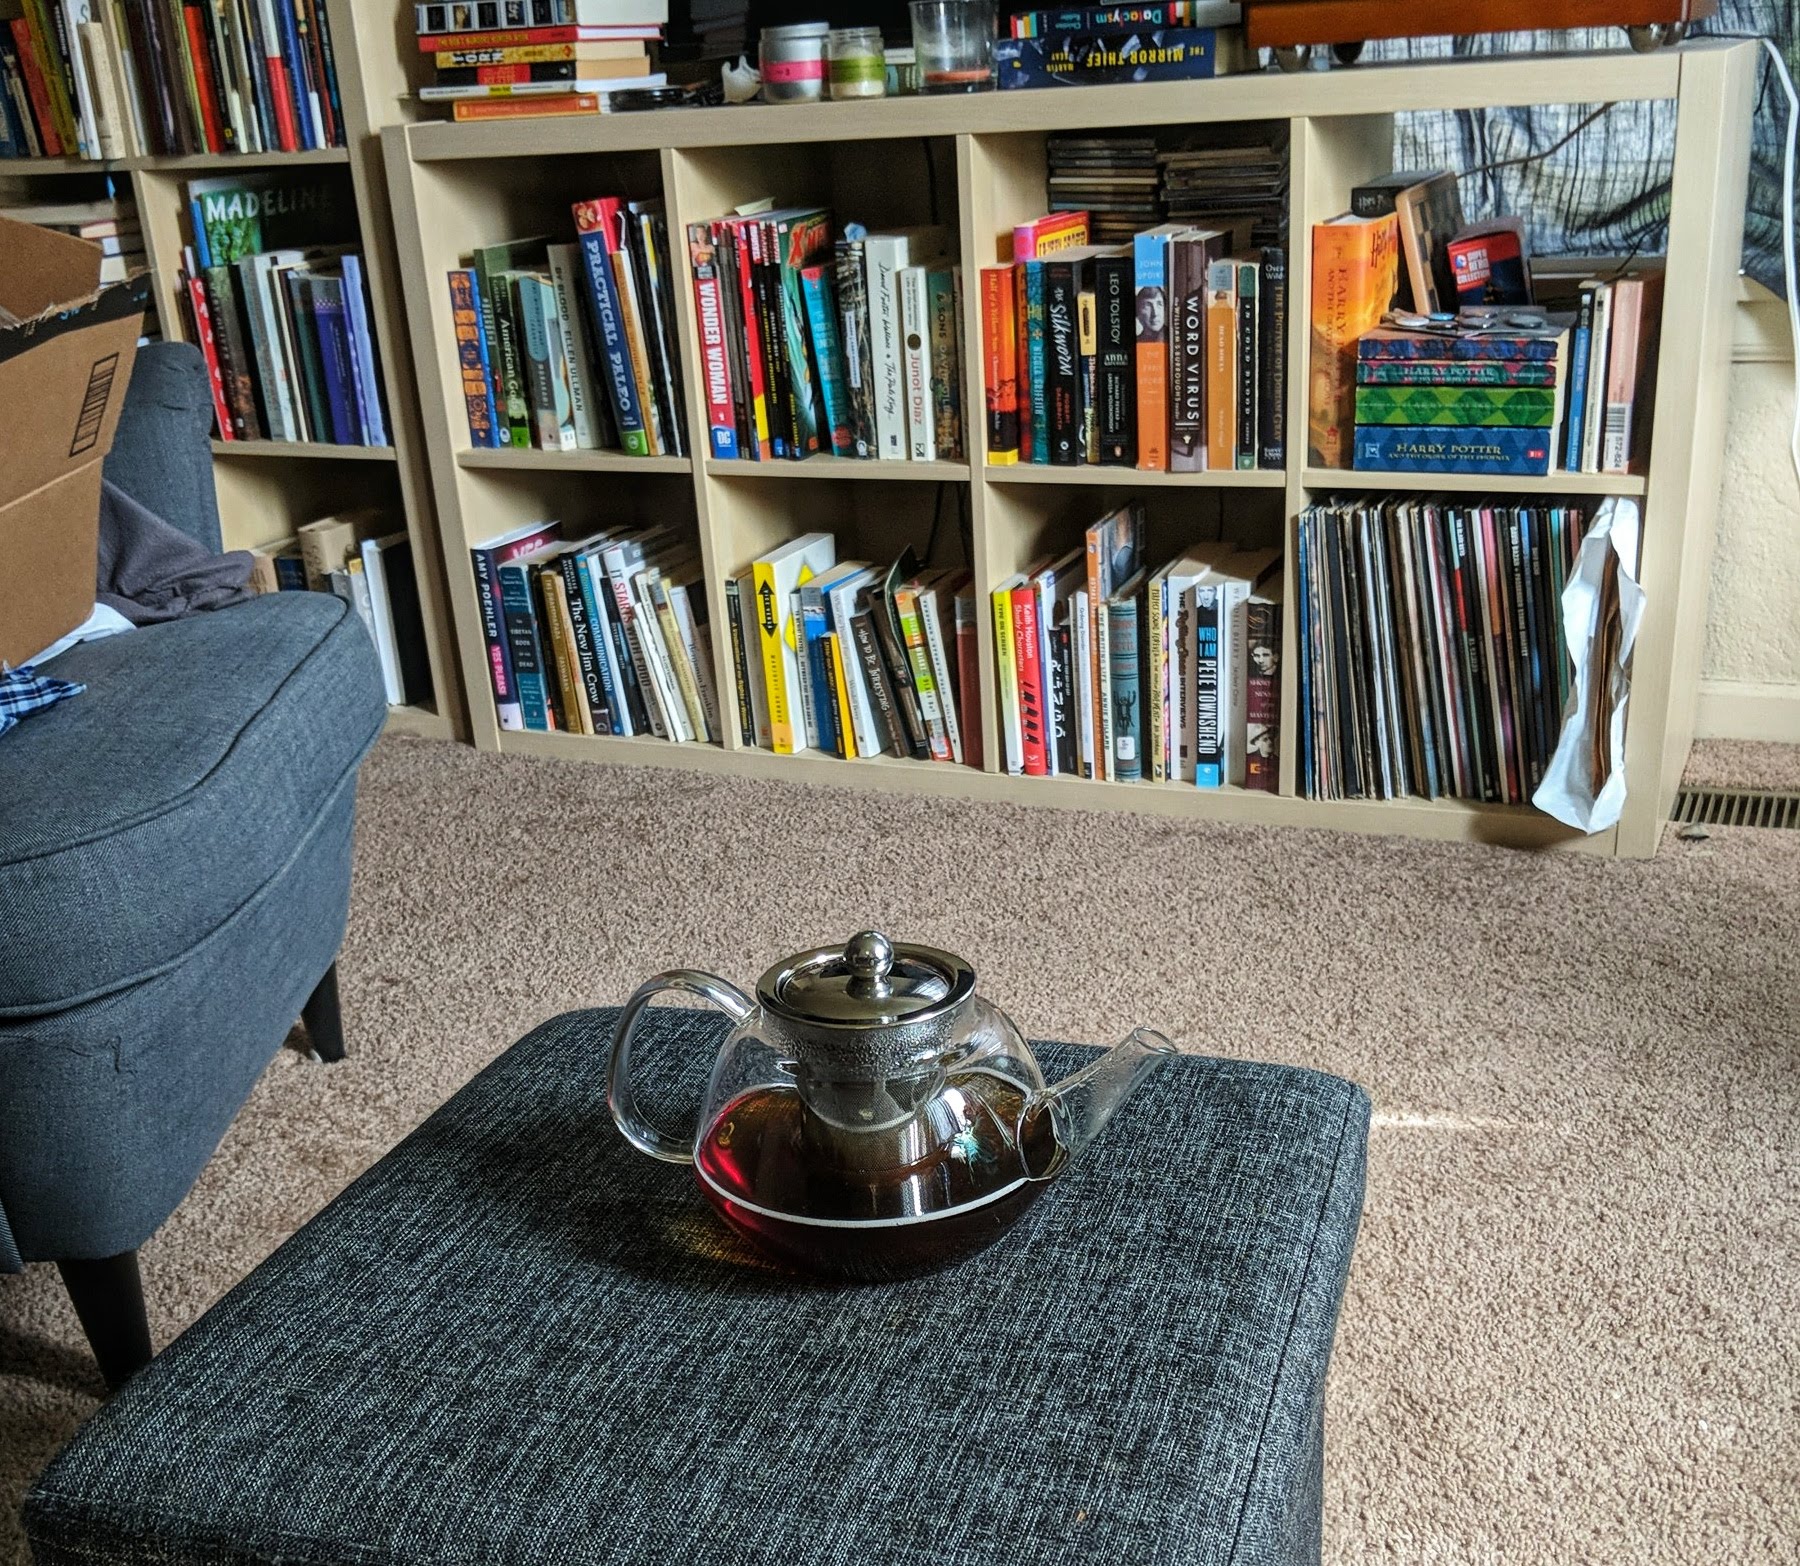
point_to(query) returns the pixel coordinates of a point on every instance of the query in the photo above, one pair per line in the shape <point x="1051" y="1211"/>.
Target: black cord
<point x="1537" y="157"/>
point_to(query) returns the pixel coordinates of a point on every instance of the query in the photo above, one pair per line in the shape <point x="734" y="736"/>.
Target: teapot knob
<point x="870" y="958"/>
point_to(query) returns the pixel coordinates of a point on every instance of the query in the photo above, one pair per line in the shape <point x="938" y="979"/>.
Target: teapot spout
<point x="1060" y="1122"/>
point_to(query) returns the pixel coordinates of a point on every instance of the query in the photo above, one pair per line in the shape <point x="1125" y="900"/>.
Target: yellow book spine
<point x="556" y="612"/>
<point x="769" y="624"/>
<point x="841" y="691"/>
<point x="1006" y="672"/>
<point x="678" y="658"/>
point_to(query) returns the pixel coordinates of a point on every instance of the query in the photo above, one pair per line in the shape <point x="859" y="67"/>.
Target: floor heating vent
<point x="1744" y="807"/>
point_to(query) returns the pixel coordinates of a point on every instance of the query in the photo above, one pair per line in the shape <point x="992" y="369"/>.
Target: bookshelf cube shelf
<point x="267" y="488"/>
<point x="978" y="165"/>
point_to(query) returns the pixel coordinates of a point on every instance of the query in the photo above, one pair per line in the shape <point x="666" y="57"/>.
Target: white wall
<point x="1750" y="673"/>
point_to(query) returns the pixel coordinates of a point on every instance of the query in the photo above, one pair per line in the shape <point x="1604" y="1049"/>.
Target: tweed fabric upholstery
<point x="516" y="1340"/>
<point x="140" y="817"/>
<point x="162" y="452"/>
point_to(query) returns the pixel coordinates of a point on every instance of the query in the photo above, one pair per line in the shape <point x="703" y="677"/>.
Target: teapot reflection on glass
<point x="870" y="1116"/>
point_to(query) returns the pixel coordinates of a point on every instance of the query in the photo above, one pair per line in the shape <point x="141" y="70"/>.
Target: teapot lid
<point x="868" y="982"/>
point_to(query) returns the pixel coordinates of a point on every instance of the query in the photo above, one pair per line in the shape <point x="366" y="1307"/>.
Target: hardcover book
<point x="1085" y="59"/>
<point x="1407" y="448"/>
<point x="1355" y="268"/>
<point x="1473" y="406"/>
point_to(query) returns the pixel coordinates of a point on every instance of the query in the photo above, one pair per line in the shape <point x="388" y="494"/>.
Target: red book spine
<point x="37" y="88"/>
<point x="209" y="350"/>
<point x="211" y="125"/>
<point x="281" y="91"/>
<point x="1022" y="366"/>
<point x="737" y="234"/>
<point x="1031" y="681"/>
<point x="1000" y="367"/>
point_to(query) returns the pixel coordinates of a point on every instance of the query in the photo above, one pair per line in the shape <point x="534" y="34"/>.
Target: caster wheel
<point x="1293" y="57"/>
<point x="1347" y="53"/>
<point x="1648" y="37"/>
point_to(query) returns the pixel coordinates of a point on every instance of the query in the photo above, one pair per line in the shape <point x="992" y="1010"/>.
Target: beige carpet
<point x="1571" y="1331"/>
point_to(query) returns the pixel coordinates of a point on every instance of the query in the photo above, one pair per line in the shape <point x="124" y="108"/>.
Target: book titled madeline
<point x="1091" y="59"/>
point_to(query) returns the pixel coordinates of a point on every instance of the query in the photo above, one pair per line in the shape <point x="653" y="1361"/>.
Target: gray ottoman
<point x="515" y="1340"/>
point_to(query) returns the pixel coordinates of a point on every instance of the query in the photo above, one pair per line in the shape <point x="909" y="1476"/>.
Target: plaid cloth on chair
<point x="24" y="691"/>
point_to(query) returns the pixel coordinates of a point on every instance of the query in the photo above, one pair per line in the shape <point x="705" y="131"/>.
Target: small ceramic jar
<point x="857" y="69"/>
<point x="793" y="62"/>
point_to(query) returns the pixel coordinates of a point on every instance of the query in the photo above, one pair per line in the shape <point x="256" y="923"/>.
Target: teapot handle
<point x="619" y="1097"/>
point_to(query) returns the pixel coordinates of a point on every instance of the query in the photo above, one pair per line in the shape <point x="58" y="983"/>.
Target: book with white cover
<point x="884" y="255"/>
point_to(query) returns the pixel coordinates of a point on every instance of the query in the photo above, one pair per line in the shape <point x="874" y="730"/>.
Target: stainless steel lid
<point x="869" y="1006"/>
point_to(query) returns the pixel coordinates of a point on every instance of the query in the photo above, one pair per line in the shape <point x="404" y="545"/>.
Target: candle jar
<point x="902" y="73"/>
<point x="793" y="62"/>
<point x="954" y="40"/>
<point x="856" y="68"/>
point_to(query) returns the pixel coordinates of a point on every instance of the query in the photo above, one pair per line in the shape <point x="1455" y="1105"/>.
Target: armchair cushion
<point x="144" y="813"/>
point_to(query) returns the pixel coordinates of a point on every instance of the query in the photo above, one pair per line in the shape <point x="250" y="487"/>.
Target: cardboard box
<point x="66" y="350"/>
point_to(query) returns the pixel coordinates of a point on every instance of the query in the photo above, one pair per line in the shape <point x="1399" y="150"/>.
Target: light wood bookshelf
<point x="268" y="488"/>
<point x="458" y="186"/>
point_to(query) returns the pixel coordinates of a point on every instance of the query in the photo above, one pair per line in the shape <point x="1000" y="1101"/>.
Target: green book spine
<point x="1461" y="407"/>
<point x="305" y="331"/>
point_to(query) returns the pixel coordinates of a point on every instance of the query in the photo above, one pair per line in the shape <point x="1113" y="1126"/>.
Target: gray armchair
<point x="174" y="882"/>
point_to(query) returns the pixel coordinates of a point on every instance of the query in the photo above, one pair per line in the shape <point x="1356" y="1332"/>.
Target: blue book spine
<point x="493" y="633"/>
<point x="295" y="57"/>
<point x="197" y="222"/>
<point x="817" y="626"/>
<point x="470" y="325"/>
<point x="1388" y="344"/>
<point x="363" y="351"/>
<point x="1209" y="715"/>
<point x="821" y="316"/>
<point x="594" y="596"/>
<point x="337" y="369"/>
<point x="290" y="574"/>
<point x="1575" y="409"/>
<point x="1088" y="59"/>
<point x="610" y="333"/>
<point x="1034" y="351"/>
<point x="518" y="611"/>
<point x="1414" y="448"/>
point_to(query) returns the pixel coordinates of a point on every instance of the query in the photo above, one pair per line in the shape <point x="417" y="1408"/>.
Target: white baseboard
<point x="1740" y="710"/>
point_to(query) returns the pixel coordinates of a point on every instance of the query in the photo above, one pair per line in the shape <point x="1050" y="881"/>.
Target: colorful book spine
<point x="472" y="359"/>
<point x="1466" y="372"/>
<point x="1221" y="365"/>
<point x="591" y="224"/>
<point x="1123" y="664"/>
<point x="366" y="353"/>
<point x="924" y="677"/>
<point x="943" y="293"/>
<point x="1000" y="364"/>
<point x="1244" y="347"/>
<point x="1407" y="448"/>
<point x="1150" y="278"/>
<point x="853" y="317"/>
<point x="715" y="359"/>
<point x="1356" y="268"/>
<point x="1187" y="354"/>
<point x="1062" y="361"/>
<point x="1483" y="407"/>
<point x="1168" y="54"/>
<point x="1262" y="698"/>
<point x="1046" y="235"/>
<point x="1209" y="700"/>
<point x="834" y="390"/>
<point x="1390" y="344"/>
<point x="1028" y="663"/>
<point x="1006" y="679"/>
<point x="1035" y="339"/>
<point x="525" y="649"/>
<point x="1580" y="346"/>
<point x="336" y="366"/>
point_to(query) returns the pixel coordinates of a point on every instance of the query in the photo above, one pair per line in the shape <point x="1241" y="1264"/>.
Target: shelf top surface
<point x="1361" y="89"/>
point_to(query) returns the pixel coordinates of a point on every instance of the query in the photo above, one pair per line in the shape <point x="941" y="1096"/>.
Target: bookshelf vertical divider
<point x="457" y="186"/>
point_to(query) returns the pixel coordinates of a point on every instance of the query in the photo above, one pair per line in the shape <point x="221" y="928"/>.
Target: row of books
<point x="1168" y="354"/>
<point x="854" y="659"/>
<point x="283" y="315"/>
<point x="606" y="634"/>
<point x="849" y="346"/>
<point x="1109" y="670"/>
<point x="1433" y="657"/>
<point x="360" y="557"/>
<point x="511" y="59"/>
<point x="125" y="78"/>
<point x="1224" y="178"/>
<point x="571" y="346"/>
<point x="112" y="224"/>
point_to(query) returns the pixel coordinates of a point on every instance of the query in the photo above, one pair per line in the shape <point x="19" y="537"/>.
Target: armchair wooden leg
<point x="324" y="1019"/>
<point x="109" y="1298"/>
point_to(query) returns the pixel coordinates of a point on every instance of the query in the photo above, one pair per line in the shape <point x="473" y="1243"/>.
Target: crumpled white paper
<point x="742" y="81"/>
<point x="1570" y="791"/>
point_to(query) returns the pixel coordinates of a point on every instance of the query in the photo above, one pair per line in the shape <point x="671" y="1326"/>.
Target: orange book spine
<point x="1356" y="266"/>
<point x="1221" y="366"/>
<point x="549" y="106"/>
<point x="1000" y="368"/>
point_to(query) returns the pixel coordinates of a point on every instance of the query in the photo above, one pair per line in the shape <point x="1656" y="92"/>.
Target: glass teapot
<point x="870" y="1115"/>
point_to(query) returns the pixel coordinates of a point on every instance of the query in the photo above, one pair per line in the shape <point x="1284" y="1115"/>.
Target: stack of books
<point x="1474" y="372"/>
<point x="112" y="225"/>
<point x="848" y="346"/>
<point x="166" y="79"/>
<point x="1109" y="670"/>
<point x="278" y="302"/>
<point x="855" y="659"/>
<point x="511" y="59"/>
<point x="571" y="346"/>
<point x="1433" y="660"/>
<point x="1164" y="40"/>
<point x="363" y="558"/>
<point x="606" y="634"/>
<point x="1168" y="354"/>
